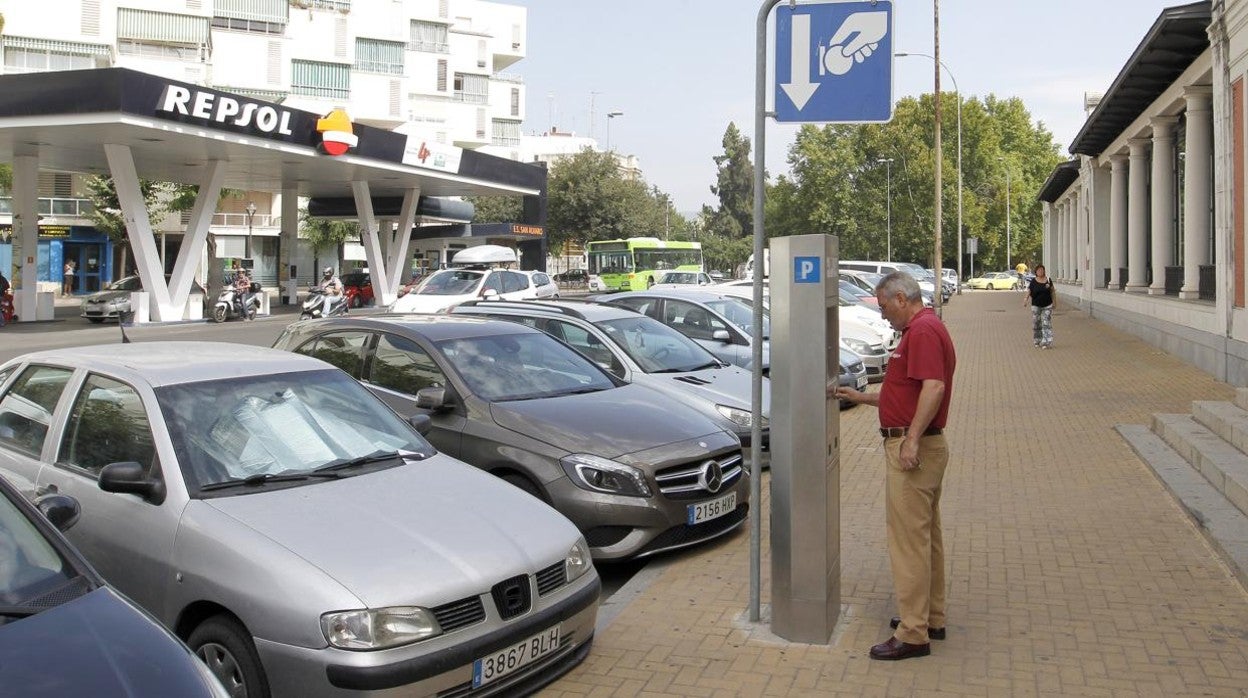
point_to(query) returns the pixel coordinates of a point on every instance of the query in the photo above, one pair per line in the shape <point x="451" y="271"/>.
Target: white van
<point x="927" y="287"/>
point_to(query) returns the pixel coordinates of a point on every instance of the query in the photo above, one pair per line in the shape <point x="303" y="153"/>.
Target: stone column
<point x="1137" y="216"/>
<point x="1117" y="217"/>
<point x="1076" y="237"/>
<point x="1163" y="228"/>
<point x="1197" y="174"/>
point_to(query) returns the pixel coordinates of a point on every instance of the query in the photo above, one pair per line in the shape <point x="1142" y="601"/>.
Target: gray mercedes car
<point x="642" y="350"/>
<point x="294" y="531"/>
<point x="637" y="471"/>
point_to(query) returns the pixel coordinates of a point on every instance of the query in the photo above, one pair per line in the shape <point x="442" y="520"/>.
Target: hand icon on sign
<point x="867" y="29"/>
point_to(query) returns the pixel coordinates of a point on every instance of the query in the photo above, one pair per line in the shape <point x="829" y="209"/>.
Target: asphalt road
<point x="69" y="330"/>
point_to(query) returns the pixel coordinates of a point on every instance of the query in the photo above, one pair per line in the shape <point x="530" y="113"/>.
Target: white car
<point x="682" y="279"/>
<point x="475" y="278"/>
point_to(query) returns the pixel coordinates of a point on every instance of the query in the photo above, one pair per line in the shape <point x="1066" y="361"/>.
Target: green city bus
<point x="634" y="264"/>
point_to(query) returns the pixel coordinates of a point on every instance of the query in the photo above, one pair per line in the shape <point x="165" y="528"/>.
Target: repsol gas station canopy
<point x="132" y="125"/>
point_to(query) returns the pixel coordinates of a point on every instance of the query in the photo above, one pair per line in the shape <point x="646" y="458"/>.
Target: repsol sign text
<point x="229" y="112"/>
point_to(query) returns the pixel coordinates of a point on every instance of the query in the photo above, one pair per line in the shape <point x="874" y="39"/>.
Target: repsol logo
<point x="224" y="110"/>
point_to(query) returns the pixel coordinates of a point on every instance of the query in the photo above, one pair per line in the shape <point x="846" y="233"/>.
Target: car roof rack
<point x="534" y="303"/>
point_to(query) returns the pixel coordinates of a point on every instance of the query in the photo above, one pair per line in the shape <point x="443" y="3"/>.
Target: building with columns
<point x="1144" y="228"/>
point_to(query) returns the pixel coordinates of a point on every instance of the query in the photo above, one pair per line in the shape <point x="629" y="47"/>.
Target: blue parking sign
<point x="806" y="270"/>
<point x="834" y="62"/>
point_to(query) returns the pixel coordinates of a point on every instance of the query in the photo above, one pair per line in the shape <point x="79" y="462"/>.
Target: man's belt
<point x="896" y="432"/>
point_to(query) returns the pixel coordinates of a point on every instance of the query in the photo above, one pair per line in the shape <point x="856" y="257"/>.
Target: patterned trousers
<point x="1042" y="325"/>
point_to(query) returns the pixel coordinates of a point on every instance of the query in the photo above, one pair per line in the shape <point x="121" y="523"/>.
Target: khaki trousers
<point x="916" y="548"/>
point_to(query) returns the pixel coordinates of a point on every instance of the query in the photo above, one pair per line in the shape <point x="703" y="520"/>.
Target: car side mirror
<point x="490" y="294"/>
<point x="721" y="336"/>
<point x="130" y="478"/>
<point x="60" y="510"/>
<point x="422" y="423"/>
<point x="431" y="399"/>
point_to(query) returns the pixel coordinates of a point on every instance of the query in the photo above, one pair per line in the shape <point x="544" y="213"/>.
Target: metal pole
<point x="756" y="340"/>
<point x="888" y="172"/>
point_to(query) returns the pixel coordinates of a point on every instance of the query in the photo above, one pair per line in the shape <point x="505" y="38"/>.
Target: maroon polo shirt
<point x="925" y="352"/>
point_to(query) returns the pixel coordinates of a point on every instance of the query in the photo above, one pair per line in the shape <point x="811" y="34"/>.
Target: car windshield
<point x="522" y="366"/>
<point x="740" y="312"/>
<point x="656" y="347"/>
<point x="129" y="283"/>
<point x="30" y="566"/>
<point x="679" y="277"/>
<point x="451" y="282"/>
<point x="282" y="425"/>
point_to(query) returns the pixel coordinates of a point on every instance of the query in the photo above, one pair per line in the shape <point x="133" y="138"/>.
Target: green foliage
<point x="734" y="185"/>
<point x="589" y="199"/>
<point x="496" y="209"/>
<point x="837" y="186"/>
<point x="6" y="177"/>
<point x="323" y="233"/>
<point x="107" y="216"/>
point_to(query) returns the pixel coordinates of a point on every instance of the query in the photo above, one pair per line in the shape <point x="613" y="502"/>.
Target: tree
<point x="325" y="233"/>
<point x="734" y="185"/>
<point x="588" y="199"/>
<point x="106" y="212"/>
<point x="837" y="186"/>
<point x="496" y="209"/>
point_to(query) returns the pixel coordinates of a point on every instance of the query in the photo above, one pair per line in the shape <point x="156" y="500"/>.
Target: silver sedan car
<point x="293" y="530"/>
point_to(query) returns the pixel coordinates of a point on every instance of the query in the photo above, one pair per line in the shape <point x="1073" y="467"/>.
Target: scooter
<point x="229" y="304"/>
<point x="314" y="304"/>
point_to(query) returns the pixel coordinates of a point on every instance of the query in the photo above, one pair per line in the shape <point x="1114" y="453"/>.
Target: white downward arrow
<point x="800" y="88"/>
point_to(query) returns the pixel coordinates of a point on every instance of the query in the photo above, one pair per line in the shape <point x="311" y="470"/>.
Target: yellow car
<point x="993" y="280"/>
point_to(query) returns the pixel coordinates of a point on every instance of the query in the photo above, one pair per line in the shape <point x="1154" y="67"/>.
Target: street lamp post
<point x="888" y="198"/>
<point x="958" y="94"/>
<point x="1009" y="262"/>
<point x="611" y="115"/>
<point x="251" y="212"/>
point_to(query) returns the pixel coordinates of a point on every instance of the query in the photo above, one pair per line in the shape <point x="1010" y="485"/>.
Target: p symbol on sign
<point x="806" y="270"/>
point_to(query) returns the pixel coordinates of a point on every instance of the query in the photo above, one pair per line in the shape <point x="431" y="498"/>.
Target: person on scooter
<point x="331" y="287"/>
<point x="242" y="290"/>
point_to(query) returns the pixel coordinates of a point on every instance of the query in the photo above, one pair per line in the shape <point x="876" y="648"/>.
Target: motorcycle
<point x="314" y="304"/>
<point x="229" y="304"/>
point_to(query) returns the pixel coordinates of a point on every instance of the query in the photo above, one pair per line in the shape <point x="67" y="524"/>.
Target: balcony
<point x="60" y="207"/>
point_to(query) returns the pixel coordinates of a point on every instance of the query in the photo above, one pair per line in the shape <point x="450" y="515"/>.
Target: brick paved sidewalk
<point x="1072" y="571"/>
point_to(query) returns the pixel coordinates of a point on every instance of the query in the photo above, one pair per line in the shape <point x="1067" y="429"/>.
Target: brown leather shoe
<point x="932" y="633"/>
<point x="894" y="649"/>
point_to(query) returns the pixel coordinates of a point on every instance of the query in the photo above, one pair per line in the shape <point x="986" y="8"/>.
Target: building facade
<point x="1145" y="227"/>
<point x="429" y="68"/>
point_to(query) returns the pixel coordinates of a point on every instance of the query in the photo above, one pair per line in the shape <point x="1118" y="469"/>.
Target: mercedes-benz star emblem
<point x="711" y="477"/>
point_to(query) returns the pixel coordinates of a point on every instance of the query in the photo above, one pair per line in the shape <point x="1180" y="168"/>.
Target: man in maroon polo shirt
<point x="913" y="404"/>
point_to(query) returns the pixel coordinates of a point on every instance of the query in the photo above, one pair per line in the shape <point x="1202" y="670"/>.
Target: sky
<point x="681" y="70"/>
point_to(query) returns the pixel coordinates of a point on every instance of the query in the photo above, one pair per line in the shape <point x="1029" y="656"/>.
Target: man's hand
<point x="909" y="459"/>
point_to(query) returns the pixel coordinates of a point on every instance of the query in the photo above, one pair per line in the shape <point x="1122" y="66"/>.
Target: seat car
<point x="113" y="301"/>
<point x="715" y="318"/>
<point x="358" y="287"/>
<point x="636" y="471"/>
<point x="299" y="535"/>
<point x="54" y="607"/>
<point x="545" y="284"/>
<point x="642" y="350"/>
<point x="993" y="280"/>
<point x="677" y="279"/>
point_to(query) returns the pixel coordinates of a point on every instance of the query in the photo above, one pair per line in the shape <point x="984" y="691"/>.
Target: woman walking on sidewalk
<point x="1043" y="300"/>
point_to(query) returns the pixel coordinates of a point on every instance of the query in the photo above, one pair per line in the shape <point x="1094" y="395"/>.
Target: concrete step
<point x="1227" y="420"/>
<point x="1241" y="398"/>
<point x="1223" y="465"/>
<point x="1223" y="524"/>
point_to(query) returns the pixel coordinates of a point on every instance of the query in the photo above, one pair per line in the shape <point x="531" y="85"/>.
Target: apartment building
<point x="432" y="68"/>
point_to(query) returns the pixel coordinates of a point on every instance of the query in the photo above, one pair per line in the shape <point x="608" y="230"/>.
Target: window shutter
<point x="442" y="76"/>
<point x="340" y="37"/>
<point x="275" y="63"/>
<point x="443" y="8"/>
<point x="394" y="98"/>
<point x="515" y="101"/>
<point x="480" y="123"/>
<point x="90" y="18"/>
<point x="481" y="53"/>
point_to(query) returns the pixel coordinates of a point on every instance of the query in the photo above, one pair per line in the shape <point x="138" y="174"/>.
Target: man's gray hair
<point x="899" y="282"/>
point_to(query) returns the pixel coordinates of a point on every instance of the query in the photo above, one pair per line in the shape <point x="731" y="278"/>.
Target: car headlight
<point x="381" y="628"/>
<point x="577" y="562"/>
<point x="602" y="475"/>
<point x="740" y="417"/>
<point x="857" y="346"/>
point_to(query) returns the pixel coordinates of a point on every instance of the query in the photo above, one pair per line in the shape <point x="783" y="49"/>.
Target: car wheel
<point x="525" y="484"/>
<point x="219" y="313"/>
<point x="226" y="648"/>
<point x="95" y="320"/>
